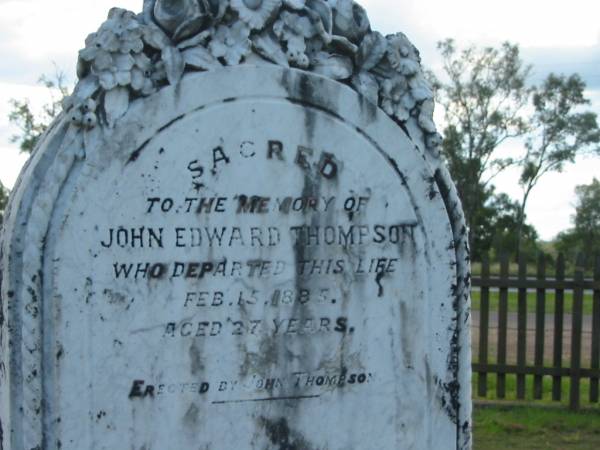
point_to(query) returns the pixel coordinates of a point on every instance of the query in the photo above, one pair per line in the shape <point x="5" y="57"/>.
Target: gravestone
<point x="239" y="234"/>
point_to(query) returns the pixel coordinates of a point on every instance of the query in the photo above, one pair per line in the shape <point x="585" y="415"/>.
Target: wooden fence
<point x="566" y="356"/>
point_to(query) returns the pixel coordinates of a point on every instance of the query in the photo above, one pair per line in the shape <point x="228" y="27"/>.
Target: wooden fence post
<point x="595" y="334"/>
<point x="502" y="328"/>
<point x="484" y="322"/>
<point x="577" y="315"/>
<point x="563" y="366"/>
<point x="559" y="306"/>
<point x="522" y="328"/>
<point x="540" y="328"/>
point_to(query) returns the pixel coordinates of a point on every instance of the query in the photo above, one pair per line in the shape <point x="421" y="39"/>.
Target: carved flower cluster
<point x="134" y="55"/>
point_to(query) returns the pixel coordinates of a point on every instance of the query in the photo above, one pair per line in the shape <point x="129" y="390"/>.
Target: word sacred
<point x="306" y="158"/>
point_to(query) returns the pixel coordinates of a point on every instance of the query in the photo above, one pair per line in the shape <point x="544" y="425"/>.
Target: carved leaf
<point x="371" y="51"/>
<point x="116" y="104"/>
<point x="190" y="27"/>
<point x="420" y="89"/>
<point x="426" y="116"/>
<point x="294" y="4"/>
<point x="367" y="85"/>
<point x="200" y="58"/>
<point x="333" y="66"/>
<point x="321" y="12"/>
<point x="199" y="39"/>
<point x="86" y="88"/>
<point x="174" y="64"/>
<point x="155" y="37"/>
<point x="269" y="47"/>
<point x="342" y="45"/>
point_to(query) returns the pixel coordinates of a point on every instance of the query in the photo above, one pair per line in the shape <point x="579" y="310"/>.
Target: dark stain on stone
<point x="196" y="359"/>
<point x="452" y="389"/>
<point x="136" y="154"/>
<point x="429" y="379"/>
<point x="114" y="297"/>
<point x="406" y="335"/>
<point x="378" y="279"/>
<point x="282" y="437"/>
<point x="171" y="122"/>
<point x="403" y="126"/>
<point x="310" y="116"/>
<point x="433" y="192"/>
<point x="191" y="416"/>
<point x="368" y="108"/>
<point x="394" y="164"/>
<point x="304" y="90"/>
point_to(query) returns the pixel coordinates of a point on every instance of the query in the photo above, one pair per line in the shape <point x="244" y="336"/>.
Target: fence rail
<point x="548" y="330"/>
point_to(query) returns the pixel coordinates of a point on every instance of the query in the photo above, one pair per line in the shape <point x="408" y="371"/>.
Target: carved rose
<point x="132" y="56"/>
<point x="181" y="18"/>
<point x="350" y="20"/>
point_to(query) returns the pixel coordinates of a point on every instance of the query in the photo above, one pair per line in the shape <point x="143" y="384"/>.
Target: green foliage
<point x="497" y="221"/>
<point x="559" y="131"/>
<point x="587" y="211"/>
<point x="486" y="101"/>
<point x="483" y="100"/>
<point x="505" y="221"/>
<point x="585" y="236"/>
<point x="32" y="126"/>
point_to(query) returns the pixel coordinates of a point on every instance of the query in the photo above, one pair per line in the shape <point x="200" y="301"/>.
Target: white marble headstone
<point x="250" y="256"/>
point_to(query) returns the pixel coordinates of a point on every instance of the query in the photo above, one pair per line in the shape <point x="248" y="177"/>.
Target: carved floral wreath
<point x="133" y="56"/>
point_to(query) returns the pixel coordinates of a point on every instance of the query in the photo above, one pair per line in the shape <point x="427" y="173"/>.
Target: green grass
<point x="500" y="427"/>
<point x="547" y="425"/>
<point x="513" y="301"/>
<point x="511" y="391"/>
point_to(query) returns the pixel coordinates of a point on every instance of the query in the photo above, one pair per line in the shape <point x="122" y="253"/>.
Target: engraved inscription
<point x="257" y="266"/>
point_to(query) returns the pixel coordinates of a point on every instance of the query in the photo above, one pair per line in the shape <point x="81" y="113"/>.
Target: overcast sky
<point x="555" y="36"/>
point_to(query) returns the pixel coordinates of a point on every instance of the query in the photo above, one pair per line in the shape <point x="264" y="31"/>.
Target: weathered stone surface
<point x="253" y="257"/>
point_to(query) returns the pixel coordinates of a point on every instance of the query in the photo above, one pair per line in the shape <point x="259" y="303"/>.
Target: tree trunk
<point x="521" y="219"/>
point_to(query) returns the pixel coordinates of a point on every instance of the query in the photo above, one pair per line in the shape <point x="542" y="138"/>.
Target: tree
<point x="32" y="126"/>
<point x="498" y="219"/>
<point x="559" y="132"/>
<point x="585" y="236"/>
<point x="483" y="100"/>
<point x="503" y="239"/>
